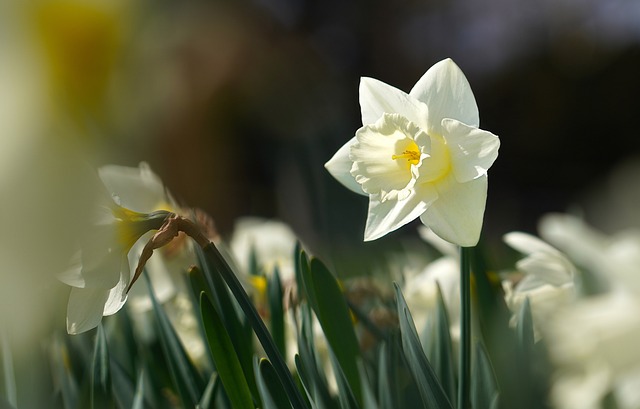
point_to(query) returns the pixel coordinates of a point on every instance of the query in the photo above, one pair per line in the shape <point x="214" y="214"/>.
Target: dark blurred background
<point x="265" y="91"/>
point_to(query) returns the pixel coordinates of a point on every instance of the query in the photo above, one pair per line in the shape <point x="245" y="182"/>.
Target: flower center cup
<point x="411" y="156"/>
<point x="387" y="155"/>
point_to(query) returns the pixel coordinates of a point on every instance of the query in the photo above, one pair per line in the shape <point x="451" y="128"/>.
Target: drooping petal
<point x="339" y="166"/>
<point x="457" y="214"/>
<point x="472" y="150"/>
<point x="385" y="217"/>
<point x="447" y="93"/>
<point x="377" y="98"/>
<point x="85" y="307"/>
<point x="117" y="294"/>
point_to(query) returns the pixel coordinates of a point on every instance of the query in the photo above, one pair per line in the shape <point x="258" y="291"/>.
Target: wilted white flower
<point x="420" y="155"/>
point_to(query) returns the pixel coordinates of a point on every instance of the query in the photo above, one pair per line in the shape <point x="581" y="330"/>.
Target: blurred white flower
<point x="420" y="290"/>
<point x="140" y="189"/>
<point x="420" y="155"/>
<point x="100" y="271"/>
<point x="593" y="344"/>
<point x="272" y="242"/>
<point x="614" y="259"/>
<point x="592" y="341"/>
<point x="548" y="277"/>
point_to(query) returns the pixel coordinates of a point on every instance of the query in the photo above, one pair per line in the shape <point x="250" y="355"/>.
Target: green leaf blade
<point x="431" y="392"/>
<point x="225" y="357"/>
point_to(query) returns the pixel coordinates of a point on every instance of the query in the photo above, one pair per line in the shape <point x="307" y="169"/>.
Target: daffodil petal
<point x="118" y="294"/>
<point x="457" y="214"/>
<point x="447" y="93"/>
<point x="339" y="166"/>
<point x="472" y="150"/>
<point x="385" y="217"/>
<point x="138" y="189"/>
<point x="84" y="311"/>
<point x="377" y="98"/>
<point x="526" y="243"/>
<point x="73" y="275"/>
<point x="100" y="270"/>
<point x="549" y="268"/>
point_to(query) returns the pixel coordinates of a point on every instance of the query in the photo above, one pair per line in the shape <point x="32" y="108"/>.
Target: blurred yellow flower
<point x="420" y="155"/>
<point x="81" y="44"/>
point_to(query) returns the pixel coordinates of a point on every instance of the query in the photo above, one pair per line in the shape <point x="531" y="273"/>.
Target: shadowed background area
<point x="250" y="98"/>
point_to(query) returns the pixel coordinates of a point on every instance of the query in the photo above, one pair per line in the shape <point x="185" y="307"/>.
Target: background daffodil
<point x="420" y="154"/>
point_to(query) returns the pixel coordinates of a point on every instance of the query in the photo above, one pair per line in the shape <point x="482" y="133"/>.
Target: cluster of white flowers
<point x="587" y="310"/>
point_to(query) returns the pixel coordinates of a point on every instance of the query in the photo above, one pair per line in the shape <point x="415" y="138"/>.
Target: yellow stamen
<point x="412" y="156"/>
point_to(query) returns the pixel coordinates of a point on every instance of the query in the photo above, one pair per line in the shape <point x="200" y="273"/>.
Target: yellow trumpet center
<point x="413" y="157"/>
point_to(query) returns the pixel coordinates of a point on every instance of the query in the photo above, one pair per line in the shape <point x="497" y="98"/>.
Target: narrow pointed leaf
<point x="345" y="394"/>
<point x="439" y="350"/>
<point x="122" y="385"/>
<point x="333" y="313"/>
<point x="276" y="310"/>
<point x="271" y="389"/>
<point x="484" y="387"/>
<point x="237" y="326"/>
<point x="101" y="396"/>
<point x="138" y="397"/>
<point x="431" y="392"/>
<point x="186" y="379"/>
<point x="207" y="401"/>
<point x="212" y="255"/>
<point x="310" y="364"/>
<point x="225" y="357"/>
<point x="368" y="396"/>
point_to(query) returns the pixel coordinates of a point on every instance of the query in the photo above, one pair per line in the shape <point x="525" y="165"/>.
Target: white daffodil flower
<point x="100" y="272"/>
<point x="272" y="241"/>
<point x="548" y="278"/>
<point x="109" y="252"/>
<point x="420" y="154"/>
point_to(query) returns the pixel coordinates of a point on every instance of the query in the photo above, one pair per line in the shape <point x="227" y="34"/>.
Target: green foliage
<point x="225" y="357"/>
<point x="113" y="367"/>
<point x="430" y="388"/>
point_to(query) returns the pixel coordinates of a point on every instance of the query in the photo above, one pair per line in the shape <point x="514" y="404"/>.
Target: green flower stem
<point x="465" y="328"/>
<point x="260" y="329"/>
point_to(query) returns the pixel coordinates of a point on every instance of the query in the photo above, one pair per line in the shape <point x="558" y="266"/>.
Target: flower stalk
<point x="465" y="328"/>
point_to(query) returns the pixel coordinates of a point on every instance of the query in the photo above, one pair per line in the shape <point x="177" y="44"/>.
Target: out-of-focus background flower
<point x="238" y="104"/>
